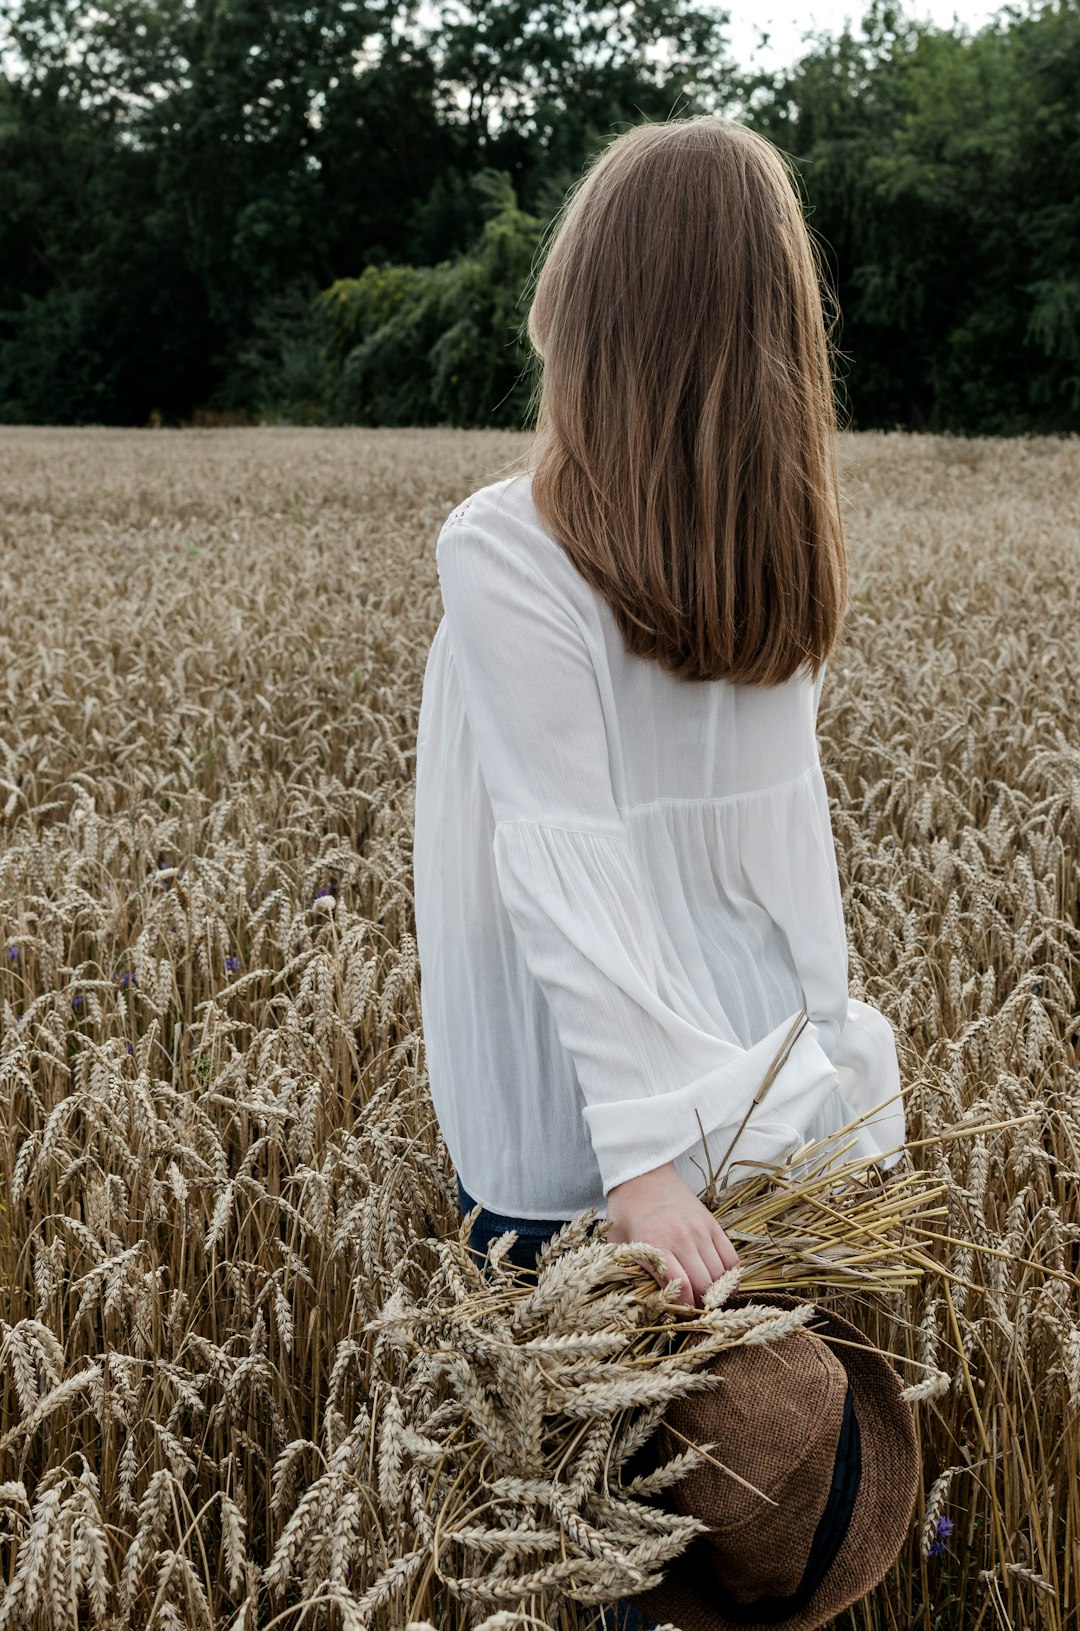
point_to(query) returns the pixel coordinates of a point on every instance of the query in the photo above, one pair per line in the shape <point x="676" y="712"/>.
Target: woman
<point x="626" y="887"/>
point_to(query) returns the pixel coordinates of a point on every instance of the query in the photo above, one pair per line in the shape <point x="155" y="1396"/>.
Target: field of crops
<point x="245" y="1363"/>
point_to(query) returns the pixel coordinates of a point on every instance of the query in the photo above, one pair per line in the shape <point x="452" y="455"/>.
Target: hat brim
<point x="880" y="1519"/>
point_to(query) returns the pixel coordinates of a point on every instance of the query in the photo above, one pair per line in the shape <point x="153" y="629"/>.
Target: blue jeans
<point x="531" y="1234"/>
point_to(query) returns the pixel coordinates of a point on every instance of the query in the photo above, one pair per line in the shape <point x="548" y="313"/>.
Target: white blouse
<point x="626" y="892"/>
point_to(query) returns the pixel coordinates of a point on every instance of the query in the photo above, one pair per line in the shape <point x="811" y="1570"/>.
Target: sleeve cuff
<point x="869" y="1072"/>
<point x="632" y="1136"/>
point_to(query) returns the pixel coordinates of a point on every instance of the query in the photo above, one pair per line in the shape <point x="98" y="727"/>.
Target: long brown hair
<point x="684" y="455"/>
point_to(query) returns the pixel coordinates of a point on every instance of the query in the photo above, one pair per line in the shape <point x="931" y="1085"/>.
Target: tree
<point x="941" y="172"/>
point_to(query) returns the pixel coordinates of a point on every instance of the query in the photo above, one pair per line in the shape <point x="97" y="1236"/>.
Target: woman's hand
<point x="659" y="1208"/>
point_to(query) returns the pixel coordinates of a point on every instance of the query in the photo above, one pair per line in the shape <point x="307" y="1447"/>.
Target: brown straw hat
<point x="815" y="1420"/>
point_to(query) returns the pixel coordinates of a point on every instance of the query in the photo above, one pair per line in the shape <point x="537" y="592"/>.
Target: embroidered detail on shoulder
<point x="459" y="514"/>
<point x="492" y="491"/>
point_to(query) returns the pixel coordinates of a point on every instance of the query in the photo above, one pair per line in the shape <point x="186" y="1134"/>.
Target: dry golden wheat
<point x="249" y="1373"/>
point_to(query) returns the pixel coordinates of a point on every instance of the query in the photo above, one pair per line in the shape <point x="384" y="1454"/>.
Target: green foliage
<point x="941" y="171"/>
<point x="281" y="372"/>
<point x="294" y="211"/>
<point x="443" y="344"/>
<point x="52" y="371"/>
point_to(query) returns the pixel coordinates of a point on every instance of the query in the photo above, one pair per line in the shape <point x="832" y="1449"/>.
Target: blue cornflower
<point x="232" y="963"/>
<point x="76" y="1002"/>
<point x="130" y="1049"/>
<point x="943" y="1527"/>
<point x="12" y="951"/>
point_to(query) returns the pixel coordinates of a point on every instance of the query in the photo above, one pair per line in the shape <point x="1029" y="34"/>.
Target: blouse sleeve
<point x="571" y="884"/>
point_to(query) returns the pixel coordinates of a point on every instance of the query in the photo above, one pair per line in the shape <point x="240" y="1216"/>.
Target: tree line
<point x="325" y="211"/>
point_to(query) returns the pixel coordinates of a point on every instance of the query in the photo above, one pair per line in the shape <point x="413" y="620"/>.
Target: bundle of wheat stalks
<point x="525" y="1392"/>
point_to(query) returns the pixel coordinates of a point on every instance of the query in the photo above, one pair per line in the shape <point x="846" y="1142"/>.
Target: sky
<point x="788" y="20"/>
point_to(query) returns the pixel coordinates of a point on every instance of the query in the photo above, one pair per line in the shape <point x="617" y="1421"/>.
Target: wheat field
<point x="249" y="1374"/>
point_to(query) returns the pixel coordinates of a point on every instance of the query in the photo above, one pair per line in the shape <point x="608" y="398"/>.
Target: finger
<point x="690" y="1273"/>
<point x="710" y="1256"/>
<point x="669" y="1269"/>
<point x="728" y="1255"/>
<point x="651" y="1270"/>
<point x="700" y="1277"/>
<point x="676" y="1272"/>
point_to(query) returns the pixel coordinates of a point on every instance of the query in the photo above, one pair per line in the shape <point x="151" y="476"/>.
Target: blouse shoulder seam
<point x="520" y="564"/>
